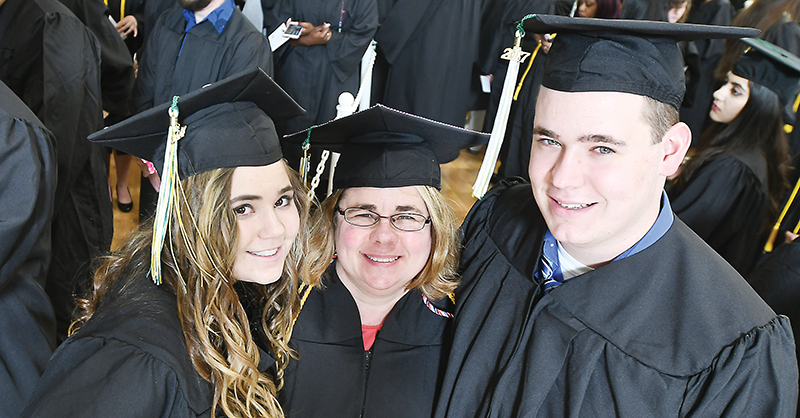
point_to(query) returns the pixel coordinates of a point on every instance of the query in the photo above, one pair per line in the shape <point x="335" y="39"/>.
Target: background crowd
<point x="70" y="67"/>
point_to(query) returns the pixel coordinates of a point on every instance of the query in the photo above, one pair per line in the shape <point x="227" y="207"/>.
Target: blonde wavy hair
<point x="197" y="261"/>
<point x="437" y="279"/>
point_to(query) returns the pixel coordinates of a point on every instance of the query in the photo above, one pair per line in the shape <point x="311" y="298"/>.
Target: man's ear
<point x="675" y="142"/>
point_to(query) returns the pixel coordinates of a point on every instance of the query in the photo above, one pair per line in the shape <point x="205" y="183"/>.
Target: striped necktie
<point x="549" y="280"/>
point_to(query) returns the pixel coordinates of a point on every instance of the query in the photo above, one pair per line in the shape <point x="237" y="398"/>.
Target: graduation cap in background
<point x="774" y="68"/>
<point x="224" y="124"/>
<point x="613" y="55"/>
<point x="383" y="147"/>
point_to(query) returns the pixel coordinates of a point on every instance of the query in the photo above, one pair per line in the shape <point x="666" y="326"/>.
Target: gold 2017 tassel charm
<point x="515" y="56"/>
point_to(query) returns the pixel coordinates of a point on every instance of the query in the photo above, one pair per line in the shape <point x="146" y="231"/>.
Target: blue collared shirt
<point x="219" y="17"/>
<point x="660" y="227"/>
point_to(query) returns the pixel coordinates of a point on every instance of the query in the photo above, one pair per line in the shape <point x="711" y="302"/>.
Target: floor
<point x="457" y="179"/>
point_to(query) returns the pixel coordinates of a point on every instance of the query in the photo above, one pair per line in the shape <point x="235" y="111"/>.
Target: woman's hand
<point x="127" y="25"/>
<point x="313" y="35"/>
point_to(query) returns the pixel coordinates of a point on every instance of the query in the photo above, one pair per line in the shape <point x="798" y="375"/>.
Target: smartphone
<point x="292" y="31"/>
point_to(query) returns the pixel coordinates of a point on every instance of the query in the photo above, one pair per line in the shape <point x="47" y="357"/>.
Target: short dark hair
<point x="660" y="117"/>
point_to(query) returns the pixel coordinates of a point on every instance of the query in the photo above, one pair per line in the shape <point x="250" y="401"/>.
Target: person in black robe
<point x="694" y="110"/>
<point x="52" y="62"/>
<point x="182" y="55"/>
<point x="317" y="70"/>
<point x="176" y="61"/>
<point x="130" y="23"/>
<point x="370" y="335"/>
<point x="28" y="336"/>
<point x="729" y="192"/>
<point x="165" y="332"/>
<point x="153" y="9"/>
<point x="116" y="77"/>
<point x="427" y="50"/>
<point x="116" y="65"/>
<point x="777" y="281"/>
<point x="582" y="295"/>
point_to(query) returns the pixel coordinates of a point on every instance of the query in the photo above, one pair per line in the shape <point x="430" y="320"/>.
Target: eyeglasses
<point x="408" y="222"/>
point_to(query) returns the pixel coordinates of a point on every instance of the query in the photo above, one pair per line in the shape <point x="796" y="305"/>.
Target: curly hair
<point x="197" y="261"/>
<point x="439" y="276"/>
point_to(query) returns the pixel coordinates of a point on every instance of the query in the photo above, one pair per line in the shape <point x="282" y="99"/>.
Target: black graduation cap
<point x="224" y="124"/>
<point x="770" y="66"/>
<point x="630" y="56"/>
<point x="384" y="147"/>
<point x="228" y="124"/>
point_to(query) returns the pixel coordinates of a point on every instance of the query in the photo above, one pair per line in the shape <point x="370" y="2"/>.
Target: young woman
<point x="181" y="343"/>
<point x="370" y="336"/>
<point x="730" y="190"/>
<point x="697" y="100"/>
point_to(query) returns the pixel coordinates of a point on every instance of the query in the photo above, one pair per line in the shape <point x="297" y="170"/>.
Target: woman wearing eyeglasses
<point x="370" y="335"/>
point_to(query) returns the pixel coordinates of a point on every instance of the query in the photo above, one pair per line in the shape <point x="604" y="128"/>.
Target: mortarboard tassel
<point x="775" y="228"/>
<point x="515" y="56"/>
<point x="166" y="191"/>
<point x="305" y="160"/>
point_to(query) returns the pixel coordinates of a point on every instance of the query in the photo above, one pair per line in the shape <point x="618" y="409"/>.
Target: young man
<point x="202" y="42"/>
<point x="582" y="295"/>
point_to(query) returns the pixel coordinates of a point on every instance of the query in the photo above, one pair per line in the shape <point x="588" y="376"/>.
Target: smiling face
<point x="730" y="99"/>
<point x="262" y="200"/>
<point x="587" y="8"/>
<point x="596" y="174"/>
<point x="377" y="262"/>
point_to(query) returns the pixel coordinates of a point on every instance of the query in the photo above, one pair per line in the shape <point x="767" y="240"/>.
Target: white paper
<point x="486" y="83"/>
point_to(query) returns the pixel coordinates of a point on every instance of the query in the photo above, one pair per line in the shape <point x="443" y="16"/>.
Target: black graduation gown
<point x="153" y="9"/>
<point x="777" y="280"/>
<point x="133" y="8"/>
<point x="694" y="112"/>
<point x="398" y="377"/>
<point x="669" y="331"/>
<point x="52" y="62"/>
<point x="207" y="56"/>
<point x="426" y="53"/>
<point x="316" y="75"/>
<point x="725" y="203"/>
<point x="116" y="65"/>
<point x="28" y="332"/>
<point x="129" y="360"/>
